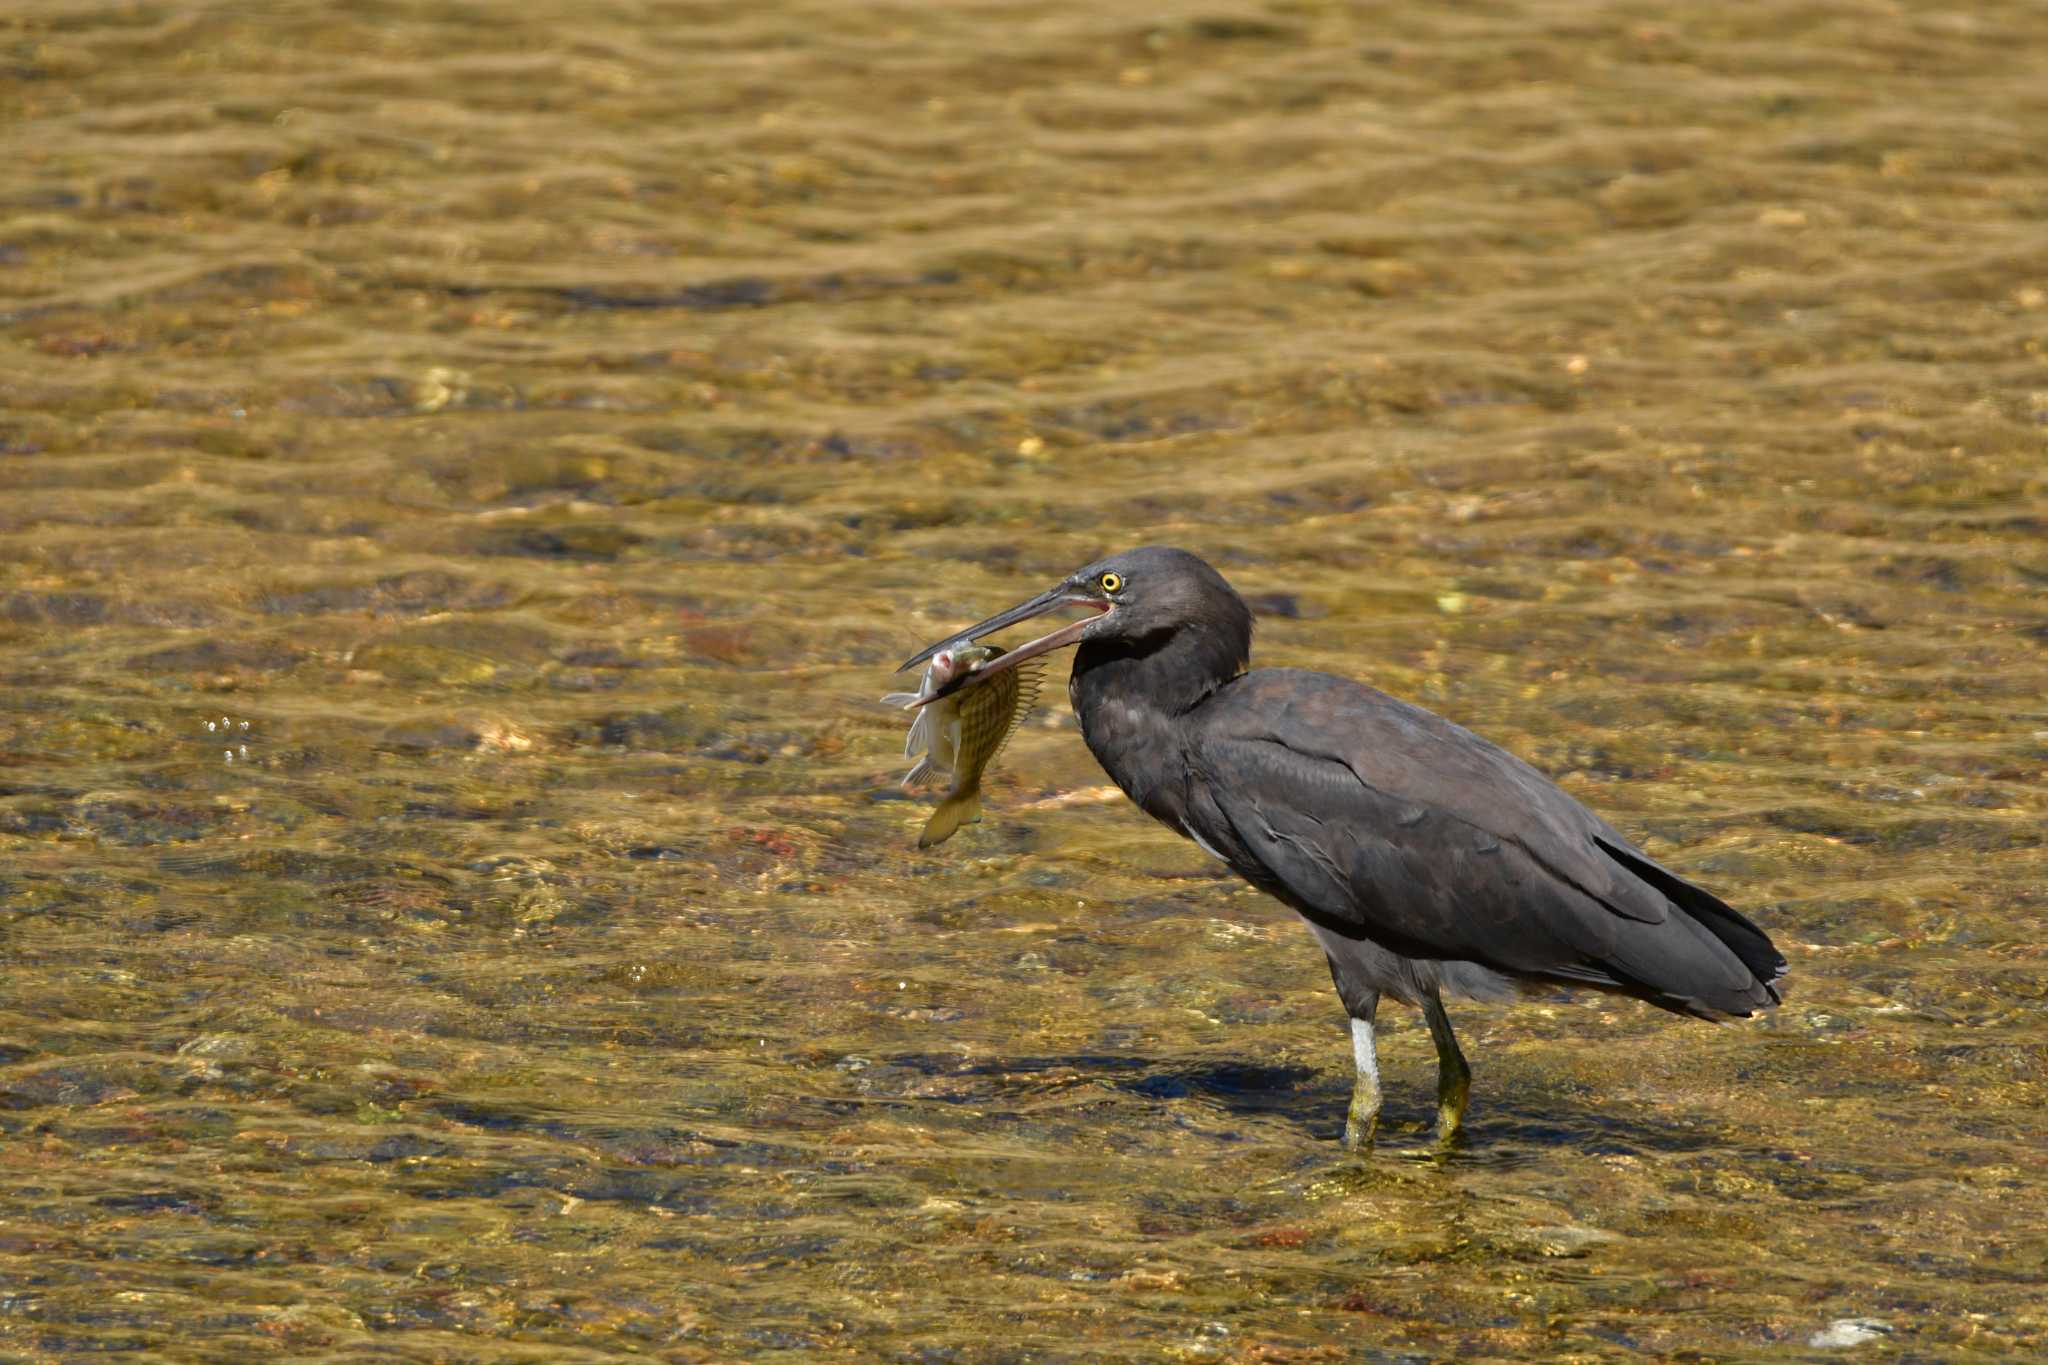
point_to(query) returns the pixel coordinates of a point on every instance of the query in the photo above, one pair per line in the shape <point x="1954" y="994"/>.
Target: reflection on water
<point x="545" y="428"/>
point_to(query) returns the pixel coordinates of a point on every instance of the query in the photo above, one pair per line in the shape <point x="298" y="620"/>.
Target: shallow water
<point x="544" y="428"/>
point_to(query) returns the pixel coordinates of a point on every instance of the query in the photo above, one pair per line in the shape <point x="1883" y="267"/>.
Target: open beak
<point x="1046" y="601"/>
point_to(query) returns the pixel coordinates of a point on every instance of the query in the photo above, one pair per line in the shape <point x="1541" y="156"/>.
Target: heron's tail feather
<point x="953" y="812"/>
<point x="1750" y="945"/>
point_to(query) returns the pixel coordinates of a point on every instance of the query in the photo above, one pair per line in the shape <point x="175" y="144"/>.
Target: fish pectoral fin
<point x="961" y="809"/>
<point x="919" y="740"/>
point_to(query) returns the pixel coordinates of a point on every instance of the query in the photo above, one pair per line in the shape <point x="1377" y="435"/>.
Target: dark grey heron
<point x="1427" y="860"/>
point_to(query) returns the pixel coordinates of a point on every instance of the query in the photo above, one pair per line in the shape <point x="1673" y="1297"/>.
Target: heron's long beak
<point x="1046" y="601"/>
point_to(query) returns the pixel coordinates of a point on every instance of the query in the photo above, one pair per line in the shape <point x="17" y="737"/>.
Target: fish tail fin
<point x="953" y="812"/>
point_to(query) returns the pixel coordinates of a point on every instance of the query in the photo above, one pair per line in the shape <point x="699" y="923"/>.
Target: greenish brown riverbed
<point x="545" y="426"/>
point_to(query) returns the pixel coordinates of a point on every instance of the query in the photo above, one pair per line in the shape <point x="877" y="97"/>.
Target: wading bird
<point x="1427" y="860"/>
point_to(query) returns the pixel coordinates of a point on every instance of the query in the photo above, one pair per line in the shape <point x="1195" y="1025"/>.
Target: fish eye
<point x="1110" y="582"/>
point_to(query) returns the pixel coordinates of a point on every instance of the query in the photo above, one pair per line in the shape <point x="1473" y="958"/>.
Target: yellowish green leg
<point x="1453" y="1076"/>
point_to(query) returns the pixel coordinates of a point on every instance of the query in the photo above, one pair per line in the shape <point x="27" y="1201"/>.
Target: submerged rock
<point x="1849" y="1332"/>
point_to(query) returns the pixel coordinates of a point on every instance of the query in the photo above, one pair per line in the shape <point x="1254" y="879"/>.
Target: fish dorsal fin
<point x="1030" y="678"/>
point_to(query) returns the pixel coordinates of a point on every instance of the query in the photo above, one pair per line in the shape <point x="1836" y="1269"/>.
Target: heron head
<point x="1133" y="596"/>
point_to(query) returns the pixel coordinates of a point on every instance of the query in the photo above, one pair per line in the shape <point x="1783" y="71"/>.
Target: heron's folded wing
<point x="1367" y="862"/>
<point x="1383" y="820"/>
<point x="1391" y="747"/>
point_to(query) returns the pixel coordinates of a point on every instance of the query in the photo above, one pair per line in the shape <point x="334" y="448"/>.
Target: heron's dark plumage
<point x="1376" y="819"/>
<point x="1428" y="859"/>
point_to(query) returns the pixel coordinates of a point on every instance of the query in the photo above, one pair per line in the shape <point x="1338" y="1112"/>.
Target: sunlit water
<point x="543" y="428"/>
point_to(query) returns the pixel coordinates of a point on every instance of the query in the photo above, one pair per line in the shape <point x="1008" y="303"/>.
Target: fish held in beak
<point x="1072" y="633"/>
<point x="960" y="736"/>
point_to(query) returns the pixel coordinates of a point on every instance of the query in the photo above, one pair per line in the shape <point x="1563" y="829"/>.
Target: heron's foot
<point x="1362" y="1121"/>
<point x="1453" y="1089"/>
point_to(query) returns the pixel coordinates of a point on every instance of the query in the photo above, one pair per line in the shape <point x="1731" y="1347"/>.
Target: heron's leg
<point x="1453" y="1076"/>
<point x="1363" y="1117"/>
<point x="1361" y="1003"/>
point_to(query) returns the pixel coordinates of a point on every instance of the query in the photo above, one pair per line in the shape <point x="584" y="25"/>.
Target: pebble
<point x="1849" y="1332"/>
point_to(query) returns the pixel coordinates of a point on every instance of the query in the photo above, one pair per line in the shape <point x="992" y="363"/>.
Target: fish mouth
<point x="1070" y="634"/>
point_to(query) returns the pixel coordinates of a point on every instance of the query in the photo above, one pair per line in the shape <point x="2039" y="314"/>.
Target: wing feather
<point x="1379" y="820"/>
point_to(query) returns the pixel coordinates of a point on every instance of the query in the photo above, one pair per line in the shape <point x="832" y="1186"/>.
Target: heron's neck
<point x="1133" y="698"/>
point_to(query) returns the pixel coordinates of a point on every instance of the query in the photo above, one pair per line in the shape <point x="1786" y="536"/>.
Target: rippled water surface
<point x="467" y="471"/>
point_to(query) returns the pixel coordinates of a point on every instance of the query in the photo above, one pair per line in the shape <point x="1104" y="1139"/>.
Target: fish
<point x="961" y="733"/>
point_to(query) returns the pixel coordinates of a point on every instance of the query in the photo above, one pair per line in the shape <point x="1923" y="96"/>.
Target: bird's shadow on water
<point x="1501" y="1130"/>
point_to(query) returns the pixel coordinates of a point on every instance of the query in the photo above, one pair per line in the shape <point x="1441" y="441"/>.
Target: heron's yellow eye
<point x="1111" y="581"/>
